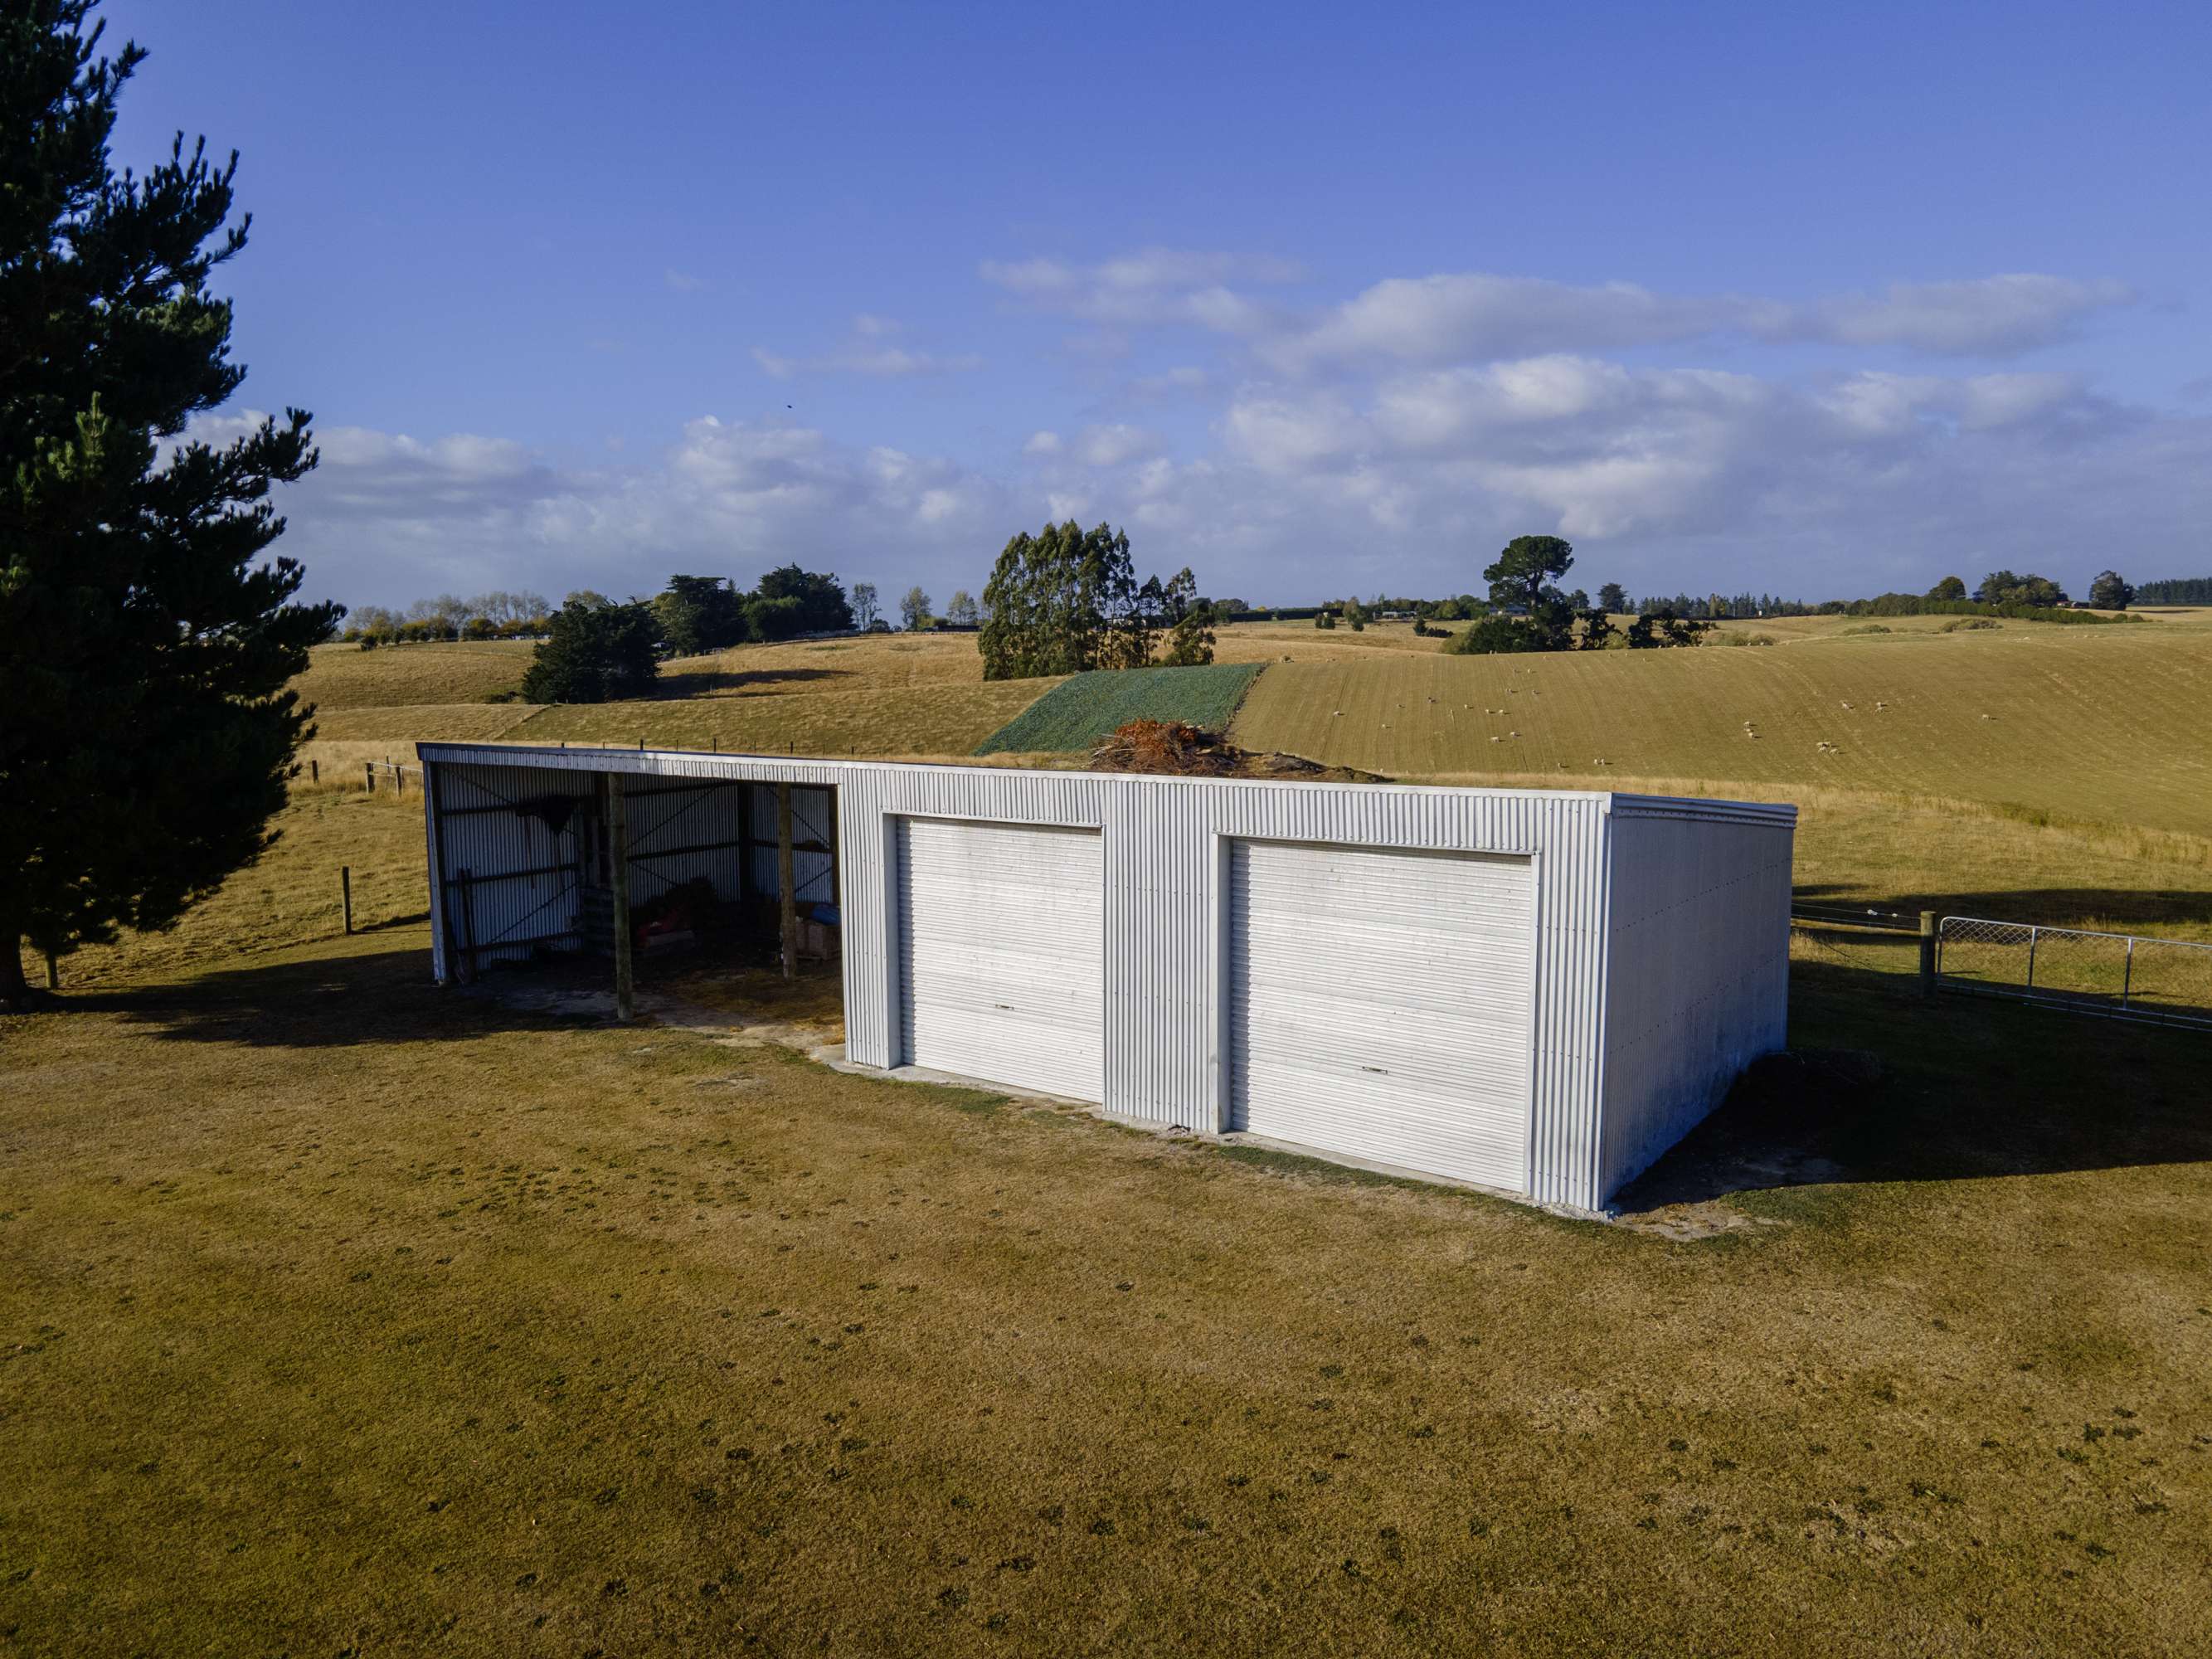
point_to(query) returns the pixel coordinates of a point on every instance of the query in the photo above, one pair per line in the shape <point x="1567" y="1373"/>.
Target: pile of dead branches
<point x="1168" y="747"/>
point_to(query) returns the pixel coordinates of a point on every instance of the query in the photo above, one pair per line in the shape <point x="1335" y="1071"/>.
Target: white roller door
<point x="1380" y="1005"/>
<point x="1002" y="932"/>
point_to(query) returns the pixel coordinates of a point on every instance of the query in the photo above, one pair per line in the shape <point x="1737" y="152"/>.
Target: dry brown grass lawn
<point x="930" y="719"/>
<point x="2109" y="723"/>
<point x="1912" y="852"/>
<point x="343" y="1313"/>
<point x="865" y="662"/>
<point x="346" y="676"/>
<point x="402" y="724"/>
<point x="291" y="896"/>
<point x="1301" y="641"/>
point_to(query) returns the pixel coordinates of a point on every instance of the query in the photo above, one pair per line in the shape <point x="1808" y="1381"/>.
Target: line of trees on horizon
<point x="698" y="614"/>
<point x="2188" y="590"/>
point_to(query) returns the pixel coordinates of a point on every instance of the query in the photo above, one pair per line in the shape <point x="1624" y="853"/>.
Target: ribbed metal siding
<point x="684" y="837"/>
<point x="1380" y="1004"/>
<point x="483" y="829"/>
<point x="1698" y="982"/>
<point x="1002" y="950"/>
<point x="813" y="833"/>
<point x="1165" y="888"/>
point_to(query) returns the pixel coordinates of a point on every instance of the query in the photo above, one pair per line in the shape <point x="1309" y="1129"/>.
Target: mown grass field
<point x="2111" y="723"/>
<point x="866" y="661"/>
<point x="926" y="720"/>
<point x="345" y="1313"/>
<point x="290" y="897"/>
<point x="920" y="696"/>
<point x="342" y="1312"/>
<point x="1079" y="714"/>
<point x="346" y="676"/>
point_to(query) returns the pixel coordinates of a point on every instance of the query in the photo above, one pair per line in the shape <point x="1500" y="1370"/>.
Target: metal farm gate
<point x="2164" y="981"/>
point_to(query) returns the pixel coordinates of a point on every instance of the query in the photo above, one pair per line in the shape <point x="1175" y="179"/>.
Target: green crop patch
<point x="1081" y="712"/>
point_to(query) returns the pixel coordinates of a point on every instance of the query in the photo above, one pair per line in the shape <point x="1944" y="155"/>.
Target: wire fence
<point x="2122" y="975"/>
<point x="394" y="775"/>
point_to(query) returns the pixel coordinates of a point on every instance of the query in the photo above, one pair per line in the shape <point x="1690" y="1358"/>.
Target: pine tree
<point x="144" y="641"/>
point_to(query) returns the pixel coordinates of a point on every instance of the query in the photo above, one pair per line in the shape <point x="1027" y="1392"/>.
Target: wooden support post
<point x="399" y="777"/>
<point x="345" y="894"/>
<point x="368" y="775"/>
<point x="53" y="972"/>
<point x="618" y="819"/>
<point x="467" y="888"/>
<point x="786" y="900"/>
<point x="1928" y="953"/>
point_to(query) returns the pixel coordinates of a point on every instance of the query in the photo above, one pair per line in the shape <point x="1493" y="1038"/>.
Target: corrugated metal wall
<point x="496" y="823"/>
<point x="1165" y="884"/>
<point x="813" y="836"/>
<point x="523" y="891"/>
<point x="680" y="834"/>
<point x="1699" y="983"/>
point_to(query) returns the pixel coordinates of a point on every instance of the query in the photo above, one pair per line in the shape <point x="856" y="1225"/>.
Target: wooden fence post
<point x="1928" y="953"/>
<point x="345" y="894"/>
<point x="368" y="775"/>
<point x="53" y="972"/>
<point x="314" y="772"/>
<point x="786" y="900"/>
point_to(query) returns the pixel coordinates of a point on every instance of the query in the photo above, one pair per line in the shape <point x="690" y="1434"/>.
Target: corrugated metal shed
<point x="1661" y="926"/>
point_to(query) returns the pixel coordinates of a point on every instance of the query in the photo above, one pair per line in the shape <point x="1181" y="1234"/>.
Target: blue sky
<point x="1811" y="300"/>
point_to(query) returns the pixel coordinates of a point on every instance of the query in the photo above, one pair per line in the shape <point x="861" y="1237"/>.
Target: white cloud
<point x="1476" y="316"/>
<point x="867" y="352"/>
<point x="1392" y="440"/>
<point x="682" y="282"/>
<point x="1184" y="380"/>
<point x="1111" y="446"/>
<point x="1153" y="286"/>
<point x="882" y="363"/>
<point x="1988" y="315"/>
<point x="1888" y="404"/>
<point x="1282" y="435"/>
<point x="387" y="517"/>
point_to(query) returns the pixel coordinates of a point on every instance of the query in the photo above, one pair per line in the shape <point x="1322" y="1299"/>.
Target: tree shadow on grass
<point x="1880" y="1086"/>
<point x="371" y="989"/>
<point x="376" y="988"/>
<point x="714" y="683"/>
